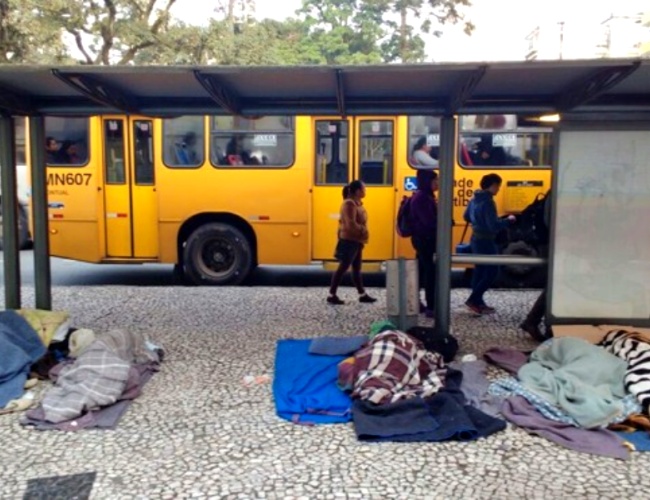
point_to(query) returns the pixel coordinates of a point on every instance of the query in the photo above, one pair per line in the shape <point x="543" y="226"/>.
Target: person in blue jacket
<point x="424" y="221"/>
<point x="481" y="213"/>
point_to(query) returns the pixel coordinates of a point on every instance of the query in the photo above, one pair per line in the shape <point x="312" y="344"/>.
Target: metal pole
<point x="445" y="215"/>
<point x="511" y="260"/>
<point x="9" y="213"/>
<point x="401" y="285"/>
<point x="42" y="274"/>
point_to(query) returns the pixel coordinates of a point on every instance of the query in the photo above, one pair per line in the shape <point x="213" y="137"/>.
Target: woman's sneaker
<point x="334" y="300"/>
<point x="367" y="299"/>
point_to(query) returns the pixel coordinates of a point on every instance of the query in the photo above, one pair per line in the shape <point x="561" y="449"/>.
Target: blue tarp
<point x="304" y="385"/>
<point x="20" y="348"/>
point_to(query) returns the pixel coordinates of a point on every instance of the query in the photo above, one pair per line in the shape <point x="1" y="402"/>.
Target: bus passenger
<point x="422" y="155"/>
<point x="185" y="151"/>
<point x="234" y="151"/>
<point x="51" y="150"/>
<point x="482" y="214"/>
<point x="353" y="235"/>
<point x="68" y="154"/>
<point x="424" y="221"/>
<point x="487" y="154"/>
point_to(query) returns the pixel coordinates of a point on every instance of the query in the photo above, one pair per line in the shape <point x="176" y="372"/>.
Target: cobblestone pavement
<point x="197" y="432"/>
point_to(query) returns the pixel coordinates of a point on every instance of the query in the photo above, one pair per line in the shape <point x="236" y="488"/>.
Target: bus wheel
<point x="520" y="275"/>
<point x="217" y="254"/>
<point x="23" y="229"/>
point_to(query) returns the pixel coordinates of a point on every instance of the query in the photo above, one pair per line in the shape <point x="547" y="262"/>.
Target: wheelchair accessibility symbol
<point x="410" y="184"/>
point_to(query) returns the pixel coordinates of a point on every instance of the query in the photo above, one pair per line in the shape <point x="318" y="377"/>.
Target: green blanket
<point x="583" y="379"/>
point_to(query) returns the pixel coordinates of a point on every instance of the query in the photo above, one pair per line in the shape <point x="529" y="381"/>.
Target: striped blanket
<point x="99" y="376"/>
<point x="634" y="349"/>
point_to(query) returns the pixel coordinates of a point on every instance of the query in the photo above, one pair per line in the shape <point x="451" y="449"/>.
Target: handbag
<point x="464" y="248"/>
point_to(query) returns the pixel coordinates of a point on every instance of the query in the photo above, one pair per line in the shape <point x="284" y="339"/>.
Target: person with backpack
<point x="531" y="324"/>
<point x="353" y="235"/>
<point x="423" y="216"/>
<point x="481" y="213"/>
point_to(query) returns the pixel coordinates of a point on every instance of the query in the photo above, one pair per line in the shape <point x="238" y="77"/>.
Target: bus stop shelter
<point x="593" y="97"/>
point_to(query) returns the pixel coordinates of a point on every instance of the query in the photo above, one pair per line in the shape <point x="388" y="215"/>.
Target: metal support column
<point x="42" y="273"/>
<point x="445" y="216"/>
<point x="9" y="213"/>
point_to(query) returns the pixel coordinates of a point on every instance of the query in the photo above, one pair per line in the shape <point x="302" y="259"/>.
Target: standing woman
<point x="353" y="235"/>
<point x="424" y="221"/>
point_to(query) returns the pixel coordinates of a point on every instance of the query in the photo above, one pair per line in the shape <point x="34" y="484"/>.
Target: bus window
<point x="143" y="151"/>
<point x="504" y="141"/>
<point x="114" y="152"/>
<point x="376" y="152"/>
<point x="66" y="141"/>
<point x="332" y="152"/>
<point x="263" y="142"/>
<point x="183" y="141"/>
<point x="424" y="126"/>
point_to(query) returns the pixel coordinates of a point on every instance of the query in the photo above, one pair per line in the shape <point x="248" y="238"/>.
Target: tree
<point x="109" y="31"/>
<point x="345" y="31"/>
<point x="406" y="44"/>
<point x="24" y="38"/>
<point x="370" y="31"/>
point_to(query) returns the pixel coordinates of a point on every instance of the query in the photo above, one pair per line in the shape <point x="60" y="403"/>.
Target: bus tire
<point x="217" y="254"/>
<point x="23" y="229"/>
<point x="520" y="276"/>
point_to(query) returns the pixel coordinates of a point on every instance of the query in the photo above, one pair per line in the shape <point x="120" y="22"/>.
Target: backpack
<point x="404" y="224"/>
<point x="531" y="221"/>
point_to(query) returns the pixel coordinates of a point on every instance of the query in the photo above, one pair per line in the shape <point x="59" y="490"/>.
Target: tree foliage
<point x="109" y="31"/>
<point x="358" y="31"/>
<point x="145" y="32"/>
<point x="25" y="39"/>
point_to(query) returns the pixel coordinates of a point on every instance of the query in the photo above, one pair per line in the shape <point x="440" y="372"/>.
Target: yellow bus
<point x="218" y="195"/>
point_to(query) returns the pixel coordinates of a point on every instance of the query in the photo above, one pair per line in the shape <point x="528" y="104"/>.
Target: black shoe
<point x="533" y="330"/>
<point x="334" y="300"/>
<point x="367" y="299"/>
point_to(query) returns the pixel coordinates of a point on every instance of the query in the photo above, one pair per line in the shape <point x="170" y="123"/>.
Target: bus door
<point x="130" y="190"/>
<point x="348" y="149"/>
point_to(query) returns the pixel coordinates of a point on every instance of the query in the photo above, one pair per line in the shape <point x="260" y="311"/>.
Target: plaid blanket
<point x="395" y="366"/>
<point x="99" y="376"/>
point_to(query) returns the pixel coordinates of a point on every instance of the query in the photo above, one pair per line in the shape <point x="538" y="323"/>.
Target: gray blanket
<point x="99" y="377"/>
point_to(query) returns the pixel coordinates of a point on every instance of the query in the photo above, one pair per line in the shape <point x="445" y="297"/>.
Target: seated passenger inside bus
<point x="237" y="155"/>
<point x="485" y="153"/>
<point x="422" y="154"/>
<point x="69" y="154"/>
<point x="51" y="150"/>
<point x="185" y="150"/>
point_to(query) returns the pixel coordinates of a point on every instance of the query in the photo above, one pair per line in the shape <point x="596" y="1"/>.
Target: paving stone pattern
<point x="198" y="432"/>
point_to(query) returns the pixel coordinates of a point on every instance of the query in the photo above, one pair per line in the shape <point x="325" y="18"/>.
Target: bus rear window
<point x="66" y="141"/>
<point x="504" y="141"/>
<point x="183" y="141"/>
<point x="266" y="142"/>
